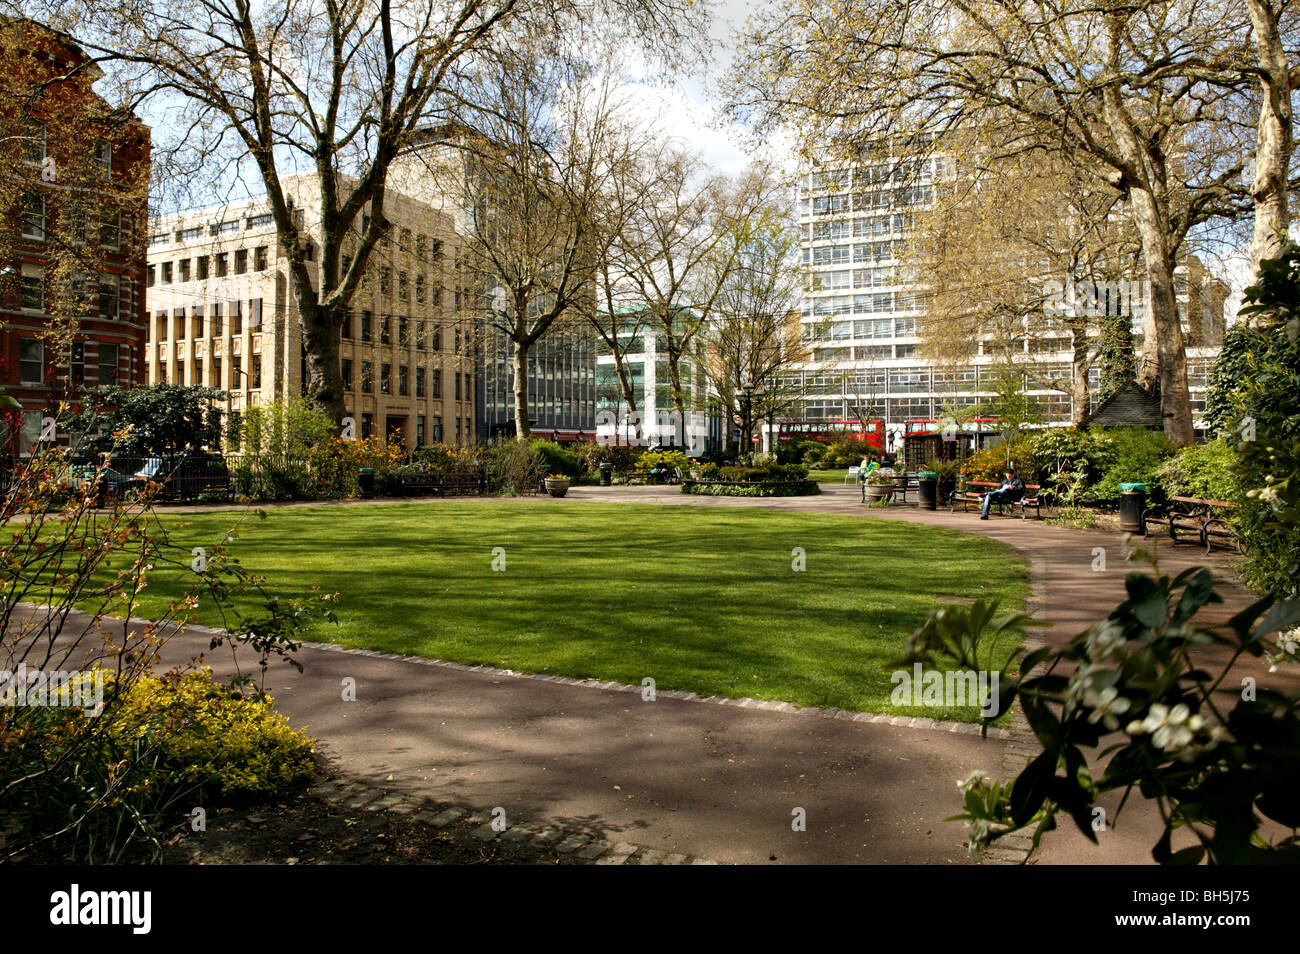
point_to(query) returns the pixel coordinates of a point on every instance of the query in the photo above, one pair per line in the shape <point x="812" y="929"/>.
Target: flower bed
<point x="751" y="488"/>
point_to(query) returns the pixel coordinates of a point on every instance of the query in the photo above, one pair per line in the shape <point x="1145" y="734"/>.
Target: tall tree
<point x="1114" y="87"/>
<point x="332" y="90"/>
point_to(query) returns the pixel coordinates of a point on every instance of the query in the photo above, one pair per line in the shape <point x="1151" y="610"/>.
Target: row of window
<point x="36" y="152"/>
<point x="254" y="375"/>
<point x="382" y="326"/>
<point x="866" y="201"/>
<point x="862" y="227"/>
<point x="202" y="267"/>
<point x="422" y="434"/>
<point x="215" y="229"/>
<point x="464" y="381"/>
<point x="217" y="312"/>
<point x="844" y="254"/>
<point x="78" y="294"/>
<point x="80" y="224"/>
<point x="874" y="303"/>
<point x="31" y="362"/>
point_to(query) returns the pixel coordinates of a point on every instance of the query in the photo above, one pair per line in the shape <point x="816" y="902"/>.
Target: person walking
<point x="1010" y="490"/>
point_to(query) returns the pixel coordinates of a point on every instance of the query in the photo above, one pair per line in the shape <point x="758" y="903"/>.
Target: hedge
<point x="766" y="488"/>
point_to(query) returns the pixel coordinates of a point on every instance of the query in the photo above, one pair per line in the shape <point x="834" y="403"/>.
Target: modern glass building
<point x="561" y="387"/>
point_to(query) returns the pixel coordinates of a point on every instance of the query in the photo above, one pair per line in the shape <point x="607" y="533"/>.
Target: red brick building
<point x="74" y="189"/>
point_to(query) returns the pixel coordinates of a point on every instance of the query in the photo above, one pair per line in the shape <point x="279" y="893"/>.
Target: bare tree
<point x="1115" y="87"/>
<point x="334" y="91"/>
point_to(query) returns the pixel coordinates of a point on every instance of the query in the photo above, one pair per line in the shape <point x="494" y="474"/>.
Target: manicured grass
<point x="828" y="476"/>
<point x="702" y="599"/>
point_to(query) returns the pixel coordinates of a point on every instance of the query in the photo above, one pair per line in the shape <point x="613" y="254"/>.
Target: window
<point x="437" y="339"/>
<point x="34" y="144"/>
<point x="385" y="325"/>
<point x="457" y="351"/>
<point x="419" y="382"/>
<point x="185" y="269"/>
<point x="254" y="314"/>
<point x="255" y="377"/>
<point x="401" y="286"/>
<point x="419" y="289"/>
<point x="437" y="428"/>
<point x="110" y="228"/>
<point x="198" y="372"/>
<point x="31" y="363"/>
<point x="33" y="288"/>
<point x="217" y="323"/>
<point x="345" y="330"/>
<point x="241" y="261"/>
<point x="104" y="156"/>
<point x="190" y="234"/>
<point x="236" y="319"/>
<point x="385" y="281"/>
<point x="419" y="431"/>
<point x="259" y="258"/>
<point x="403" y="380"/>
<point x="437" y="383"/>
<point x="367" y="375"/>
<point x="365" y="326"/>
<point x="77" y="363"/>
<point x="345" y="371"/>
<point x="401" y="332"/>
<point x="236" y="370"/>
<point x="196" y="321"/>
<point x="222" y="264"/>
<point x="456" y="375"/>
<point x="386" y="379"/>
<point x="33" y="215"/>
<point x="224" y="228"/>
<point x="260" y="221"/>
<point x="109" y="295"/>
<point x="201" y="266"/>
<point x="166" y="273"/>
<point x="419" y="336"/>
<point x="367" y="424"/>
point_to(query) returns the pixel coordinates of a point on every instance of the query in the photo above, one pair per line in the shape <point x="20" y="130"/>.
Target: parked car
<point x="186" y="475"/>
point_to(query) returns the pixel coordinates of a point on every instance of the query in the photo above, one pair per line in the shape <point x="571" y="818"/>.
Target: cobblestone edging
<point x="575" y="846"/>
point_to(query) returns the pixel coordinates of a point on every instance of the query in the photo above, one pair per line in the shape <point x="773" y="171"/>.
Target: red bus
<point x="829" y="432"/>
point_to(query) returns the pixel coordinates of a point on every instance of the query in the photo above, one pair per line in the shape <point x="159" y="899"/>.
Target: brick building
<point x="74" y="186"/>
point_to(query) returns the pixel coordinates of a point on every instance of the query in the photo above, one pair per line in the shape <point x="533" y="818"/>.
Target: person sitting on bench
<point x="1010" y="490"/>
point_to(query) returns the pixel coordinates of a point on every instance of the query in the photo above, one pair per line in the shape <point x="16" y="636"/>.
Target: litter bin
<point x="927" y="485"/>
<point x="366" y="481"/>
<point x="606" y="474"/>
<point x="1132" y="504"/>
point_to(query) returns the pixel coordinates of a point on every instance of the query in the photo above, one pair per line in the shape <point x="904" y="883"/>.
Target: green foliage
<point x="761" y="488"/>
<point x="158" y="421"/>
<point x="1116" y="359"/>
<point x="1255" y="403"/>
<point x="1202" y="470"/>
<point x="1127" y="454"/>
<point x="673" y="458"/>
<point x="591" y="455"/>
<point x="1217" y="773"/>
<point x="1009" y="402"/>
<point x="443" y="458"/>
<point x="840" y="454"/>
<point x="212" y="742"/>
<point x="514" y="467"/>
<point x="991" y="463"/>
<point x="558" y="460"/>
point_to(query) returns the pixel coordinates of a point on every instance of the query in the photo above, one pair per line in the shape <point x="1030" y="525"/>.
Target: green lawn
<point x="702" y="599"/>
<point x="828" y="476"/>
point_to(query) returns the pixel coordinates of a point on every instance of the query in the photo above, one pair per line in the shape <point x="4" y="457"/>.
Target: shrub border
<point x="754" y="488"/>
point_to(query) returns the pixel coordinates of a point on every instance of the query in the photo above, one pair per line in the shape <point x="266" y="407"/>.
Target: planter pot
<point x="695" y="475"/>
<point x="557" y="488"/>
<point x="878" y="492"/>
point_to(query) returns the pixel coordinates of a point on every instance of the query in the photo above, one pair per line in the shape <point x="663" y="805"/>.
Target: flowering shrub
<point x="673" y="458"/>
<point x="1219" y="761"/>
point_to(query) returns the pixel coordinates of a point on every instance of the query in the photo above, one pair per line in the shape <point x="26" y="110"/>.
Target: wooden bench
<point x="632" y="475"/>
<point x="463" y="482"/>
<point x="974" y="491"/>
<point x="1195" y="515"/>
<point x="442" y="485"/>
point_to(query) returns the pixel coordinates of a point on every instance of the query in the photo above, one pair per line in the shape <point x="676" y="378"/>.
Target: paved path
<point x="715" y="781"/>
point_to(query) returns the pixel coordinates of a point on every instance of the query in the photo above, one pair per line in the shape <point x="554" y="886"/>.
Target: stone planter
<point x="557" y="487"/>
<point x="695" y="474"/>
<point x="874" y="493"/>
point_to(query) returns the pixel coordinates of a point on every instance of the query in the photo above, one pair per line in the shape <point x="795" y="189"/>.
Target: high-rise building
<point x="223" y="314"/>
<point x="863" y="311"/>
<point x="73" y="179"/>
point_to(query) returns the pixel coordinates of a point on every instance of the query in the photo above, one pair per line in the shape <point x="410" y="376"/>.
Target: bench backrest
<point x="1202" y="502"/>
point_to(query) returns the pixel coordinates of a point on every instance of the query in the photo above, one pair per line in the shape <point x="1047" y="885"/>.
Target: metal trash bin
<point x="1132" y="505"/>
<point x="366" y="481"/>
<point x="927" y="489"/>
<point x="606" y="474"/>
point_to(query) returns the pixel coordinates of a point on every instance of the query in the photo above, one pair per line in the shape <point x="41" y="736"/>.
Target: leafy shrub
<point x="441" y="458"/>
<point x="558" y="460"/>
<point x="591" y="455"/>
<point x="514" y="467"/>
<point x="673" y="458"/>
<point x="843" y="454"/>
<point x="212" y="741"/>
<point x="990" y="463"/>
<point x="765" y="488"/>
<point x="1130" y="454"/>
<point x="1203" y="470"/>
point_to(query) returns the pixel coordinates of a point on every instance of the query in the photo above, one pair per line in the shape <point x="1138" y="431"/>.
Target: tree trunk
<point x="1164" y="359"/>
<point x="1274" y="139"/>
<point x="321" y="336"/>
<point x="679" y="403"/>
<point x="520" y="364"/>
<point x="1081" y="402"/>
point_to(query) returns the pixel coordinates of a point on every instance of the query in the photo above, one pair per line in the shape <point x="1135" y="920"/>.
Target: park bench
<point x="462" y="482"/>
<point x="629" y="476"/>
<point x="973" y="492"/>
<point x="904" y="481"/>
<point x="1196" y="515"/>
<point x="422" y="485"/>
